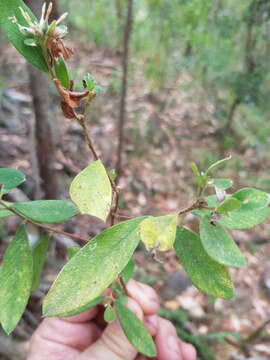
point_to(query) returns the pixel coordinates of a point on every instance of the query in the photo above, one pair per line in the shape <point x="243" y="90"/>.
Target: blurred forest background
<point x="198" y="89"/>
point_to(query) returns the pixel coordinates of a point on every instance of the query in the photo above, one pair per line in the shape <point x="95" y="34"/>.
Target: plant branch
<point x="198" y="204"/>
<point x="45" y="227"/>
<point x="122" y="111"/>
<point x="123" y="285"/>
<point x="82" y="121"/>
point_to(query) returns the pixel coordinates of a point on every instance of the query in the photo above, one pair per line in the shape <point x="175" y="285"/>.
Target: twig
<point x="45" y="227"/>
<point x="256" y="333"/>
<point x="122" y="111"/>
<point x="123" y="285"/>
<point x="198" y="204"/>
<point x="82" y="121"/>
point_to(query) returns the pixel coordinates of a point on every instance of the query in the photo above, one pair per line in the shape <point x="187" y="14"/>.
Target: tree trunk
<point x="122" y="110"/>
<point x="46" y="184"/>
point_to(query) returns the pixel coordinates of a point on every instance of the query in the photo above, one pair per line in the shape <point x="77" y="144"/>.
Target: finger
<point x="113" y="343"/>
<point x="151" y="323"/>
<point x="59" y="333"/>
<point x="145" y="296"/>
<point x="167" y="341"/>
<point x="188" y="351"/>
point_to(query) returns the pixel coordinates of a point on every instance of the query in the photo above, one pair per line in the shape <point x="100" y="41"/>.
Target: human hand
<point x="87" y="337"/>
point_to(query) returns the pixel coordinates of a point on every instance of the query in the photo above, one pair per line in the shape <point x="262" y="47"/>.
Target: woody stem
<point x="45" y="227"/>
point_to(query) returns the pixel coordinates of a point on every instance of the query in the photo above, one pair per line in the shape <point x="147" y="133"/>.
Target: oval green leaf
<point x="223" y="183"/>
<point x="39" y="253"/>
<point x="241" y="220"/>
<point x="16" y="277"/>
<point x="252" y="199"/>
<point x="93" y="268"/>
<point x="109" y="314"/>
<point x="129" y="271"/>
<point x="72" y="250"/>
<point x="158" y="232"/>
<point x="46" y="211"/>
<point x="83" y="308"/>
<point x="135" y="331"/>
<point x="228" y="205"/>
<point x="61" y="72"/>
<point x="205" y="273"/>
<point x="9" y="179"/>
<point x="219" y="245"/>
<point x="91" y="191"/>
<point x="9" y="9"/>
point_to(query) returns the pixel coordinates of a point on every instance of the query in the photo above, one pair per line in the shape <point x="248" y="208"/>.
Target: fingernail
<point x="174" y="346"/>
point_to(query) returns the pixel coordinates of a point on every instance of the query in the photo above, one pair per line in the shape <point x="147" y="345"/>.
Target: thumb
<point x="113" y="344"/>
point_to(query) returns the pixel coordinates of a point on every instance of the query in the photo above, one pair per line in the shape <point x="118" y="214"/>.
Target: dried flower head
<point x="49" y="36"/>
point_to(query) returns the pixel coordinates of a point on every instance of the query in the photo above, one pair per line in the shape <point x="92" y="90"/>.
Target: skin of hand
<point x="87" y="337"/>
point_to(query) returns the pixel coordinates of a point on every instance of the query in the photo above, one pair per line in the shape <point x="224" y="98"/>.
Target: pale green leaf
<point x="39" y="253"/>
<point x="83" y="308"/>
<point x="93" y="268"/>
<point x="10" y="178"/>
<point x="46" y="211"/>
<point x="205" y="273"/>
<point x="252" y="199"/>
<point x="5" y="213"/>
<point x="72" y="250"/>
<point x="159" y="232"/>
<point x="128" y="271"/>
<point x="241" y="220"/>
<point x="9" y="9"/>
<point x="219" y="245"/>
<point x="109" y="314"/>
<point x="16" y="278"/>
<point x="223" y="183"/>
<point x="91" y="191"/>
<point x="135" y="331"/>
<point x="228" y="205"/>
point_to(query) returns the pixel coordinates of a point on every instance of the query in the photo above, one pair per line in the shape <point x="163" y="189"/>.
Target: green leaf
<point x="83" y="308"/>
<point x="61" y="72"/>
<point x="31" y="42"/>
<point x="206" y="274"/>
<point x="128" y="271"/>
<point x="46" y="211"/>
<point x="217" y="164"/>
<point x="5" y="213"/>
<point x="112" y="174"/>
<point x="9" y="9"/>
<point x="241" y="220"/>
<point x="16" y="280"/>
<point x="135" y="331"/>
<point x="91" y="191"/>
<point x="219" y="245"/>
<point x="72" y="250"/>
<point x="109" y="314"/>
<point x="252" y="199"/>
<point x="158" y="232"/>
<point x="10" y="178"/>
<point x="90" y="82"/>
<point x="39" y="253"/>
<point x="223" y="183"/>
<point x="93" y="268"/>
<point x="228" y="205"/>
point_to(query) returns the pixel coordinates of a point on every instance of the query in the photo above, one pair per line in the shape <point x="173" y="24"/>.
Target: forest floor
<point x="164" y="133"/>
